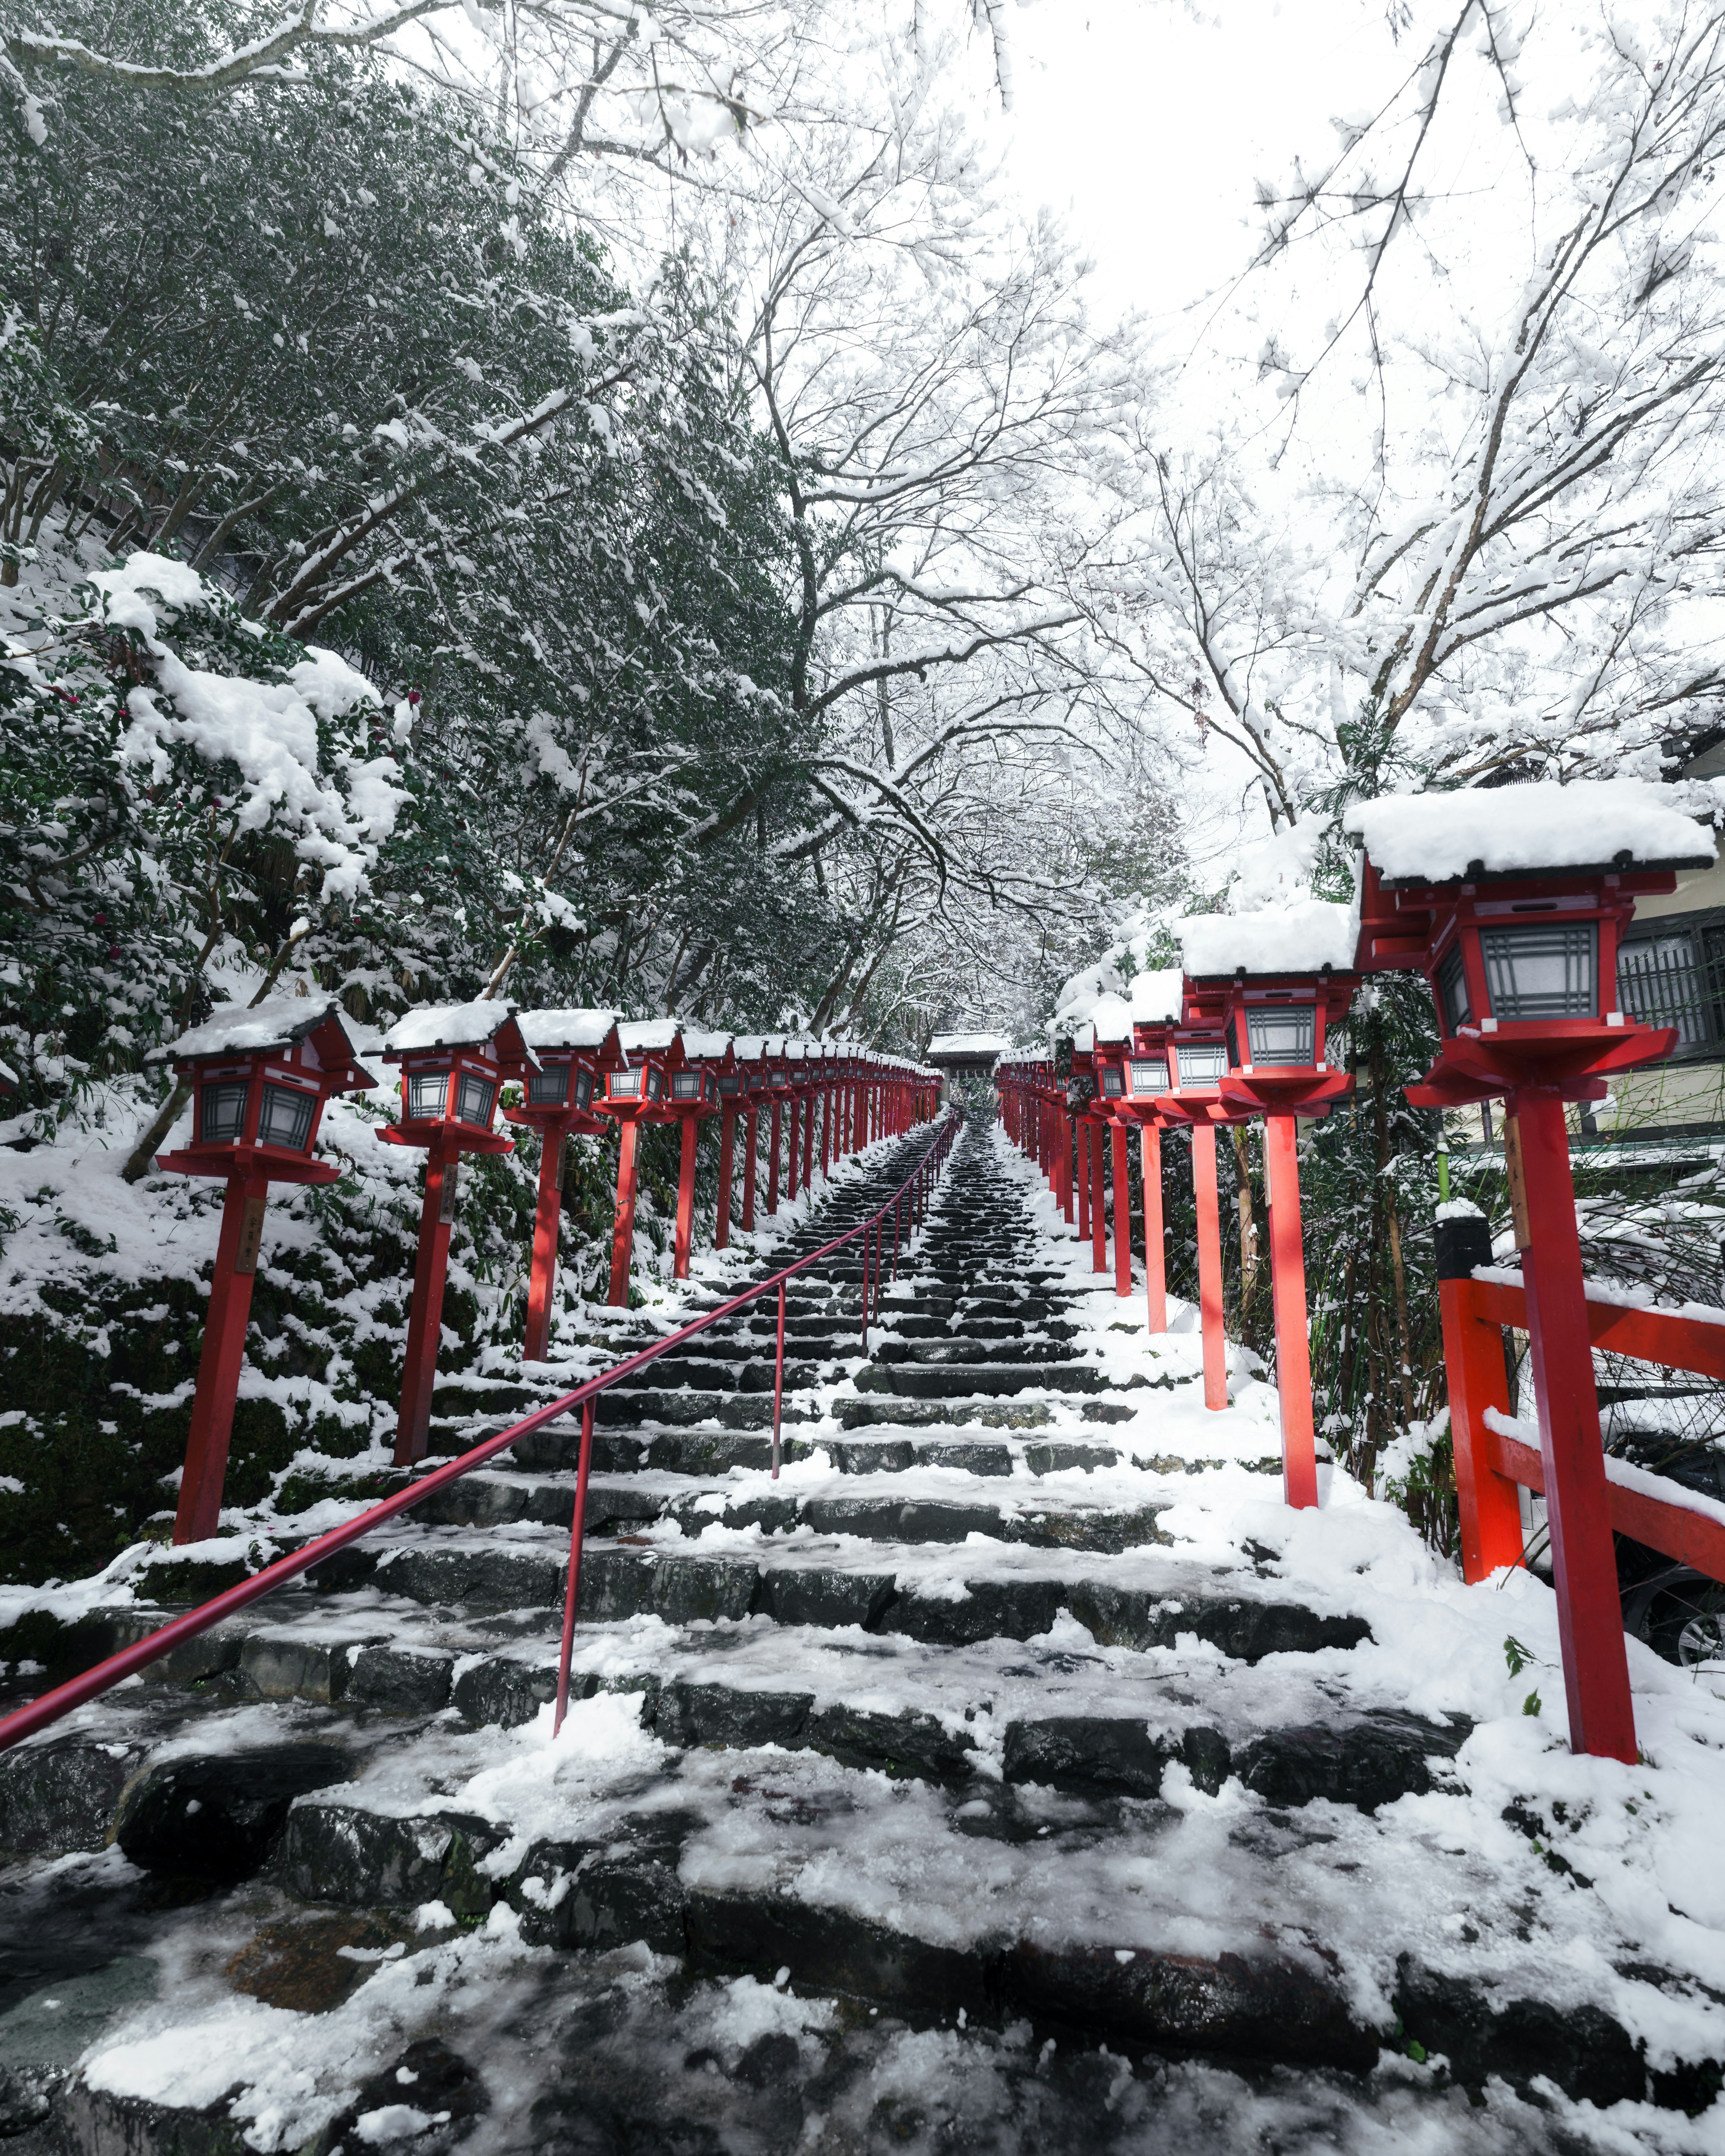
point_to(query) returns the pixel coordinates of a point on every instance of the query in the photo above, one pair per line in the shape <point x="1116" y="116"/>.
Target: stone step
<point x="930" y="1382"/>
<point x="796" y="1586"/>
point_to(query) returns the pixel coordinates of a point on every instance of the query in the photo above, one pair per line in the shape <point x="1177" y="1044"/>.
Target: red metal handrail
<point x="61" y="1700"/>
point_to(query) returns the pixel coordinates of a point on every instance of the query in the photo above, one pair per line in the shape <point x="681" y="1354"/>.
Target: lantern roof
<point x="705" y="1047"/>
<point x="750" y="1047"/>
<point x="456" y="1025"/>
<point x="967" y="1047"/>
<point x="274" y="1026"/>
<point x="648" y="1036"/>
<point x="1476" y="833"/>
<point x="566" y="1028"/>
<point x="1111" y="1022"/>
<point x="1156" y="997"/>
<point x="1302" y="937"/>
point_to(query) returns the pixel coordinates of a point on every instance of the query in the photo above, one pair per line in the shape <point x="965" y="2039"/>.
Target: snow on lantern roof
<point x="565" y="1029"/>
<point x="1598" y="823"/>
<point x="1156" y="997"/>
<point x="648" y="1036"/>
<point x="708" y="1047"/>
<point x="1302" y="937"/>
<point x="449" y="1025"/>
<point x="278" y="1024"/>
<point x="1110" y="1021"/>
<point x="976" y="1045"/>
<point x="750" y="1047"/>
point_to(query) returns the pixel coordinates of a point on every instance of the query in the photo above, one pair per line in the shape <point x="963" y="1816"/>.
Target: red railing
<point x="911" y="1196"/>
<point x="1492" y="1456"/>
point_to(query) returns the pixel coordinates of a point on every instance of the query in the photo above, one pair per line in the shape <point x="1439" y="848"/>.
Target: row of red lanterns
<point x="260" y="1078"/>
<point x="1512" y="904"/>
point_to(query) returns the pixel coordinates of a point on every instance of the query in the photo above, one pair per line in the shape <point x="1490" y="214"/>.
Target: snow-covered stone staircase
<point x="1013" y="1770"/>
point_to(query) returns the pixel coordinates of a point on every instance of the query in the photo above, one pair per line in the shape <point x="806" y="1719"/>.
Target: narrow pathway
<point x="1013" y="1771"/>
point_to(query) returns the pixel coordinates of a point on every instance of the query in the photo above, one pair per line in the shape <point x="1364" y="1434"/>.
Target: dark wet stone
<point x="503" y="1691"/>
<point x="831" y="1950"/>
<point x="587" y="1895"/>
<point x="1588" y="2054"/>
<point x="1366" y="1764"/>
<point x="615" y="1584"/>
<point x="1265" y="2008"/>
<point x="1241" y="1626"/>
<point x="908" y="1746"/>
<point x="401" y="1680"/>
<point x="890" y="1456"/>
<point x="479" y="1578"/>
<point x="298" y="1964"/>
<point x="1091" y="1528"/>
<point x="62" y="1796"/>
<point x="975" y="1457"/>
<point x="42" y="2035"/>
<point x="1052" y="1459"/>
<point x="358" y="1859"/>
<point x="218" y="1816"/>
<point x="687" y="1590"/>
<point x="989" y="1609"/>
<point x="427" y="2076"/>
<point x="724" y="1714"/>
<point x="1089" y="1753"/>
<point x="815" y="1594"/>
<point x="296" y="1665"/>
<point x="900" y="1520"/>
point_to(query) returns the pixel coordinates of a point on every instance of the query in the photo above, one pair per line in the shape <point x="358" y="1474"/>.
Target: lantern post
<point x="1276" y="984"/>
<point x="1153" y="1013"/>
<point x="260" y="1079"/>
<point x="1196" y="1059"/>
<point x="733" y="1084"/>
<point x="455" y="1059"/>
<point x="637" y="1090"/>
<point x="1112" y="1035"/>
<point x="573" y="1049"/>
<point x="1512" y="903"/>
<point x="694" y="1096"/>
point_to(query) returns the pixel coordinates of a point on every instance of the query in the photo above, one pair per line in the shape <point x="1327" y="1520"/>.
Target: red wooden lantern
<point x="1511" y="902"/>
<point x="707" y="1057"/>
<point x="455" y="1060"/>
<point x="797" y="1103"/>
<point x="260" y="1078"/>
<point x="775" y="1090"/>
<point x="637" y="1091"/>
<point x="573" y="1050"/>
<point x="1090" y="1126"/>
<point x="754" y="1089"/>
<point x="1273" y="983"/>
<point x="1110" y="1023"/>
<point x="1153" y="1013"/>
<point x="731" y="1083"/>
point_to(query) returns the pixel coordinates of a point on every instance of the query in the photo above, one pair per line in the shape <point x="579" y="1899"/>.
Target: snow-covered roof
<point x="750" y="1047"/>
<point x="1599" y="822"/>
<point x="1156" y="997"/>
<point x="1300" y="937"/>
<point x="447" y="1025"/>
<point x="278" y="1024"/>
<point x="1111" y="1020"/>
<point x="647" y="1036"/>
<point x="565" y="1029"/>
<point x="708" y="1047"/>
<point x="971" y="1046"/>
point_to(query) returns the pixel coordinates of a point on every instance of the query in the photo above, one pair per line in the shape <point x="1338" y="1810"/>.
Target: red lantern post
<point x="455" y="1059"/>
<point x="573" y="1049"/>
<point x="1153" y="1013"/>
<point x="1511" y="902"/>
<point x="636" y="1091"/>
<point x="260" y="1079"/>
<point x="1273" y="983"/>
<point x="694" y="1096"/>
<point x="1196" y="1059"/>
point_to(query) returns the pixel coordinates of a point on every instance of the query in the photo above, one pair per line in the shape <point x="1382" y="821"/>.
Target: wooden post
<point x="728" y="1151"/>
<point x="547" y="1217"/>
<point x="1209" y="1266"/>
<point x="1477" y="1379"/>
<point x="685" y="1198"/>
<point x="198" y="1513"/>
<point x="1098" y="1203"/>
<point x="425" y="1324"/>
<point x="1155" y="1256"/>
<point x="1066" y="1140"/>
<point x="1123" y="1212"/>
<point x="826" y="1133"/>
<point x="809" y="1146"/>
<point x="1578" y="1508"/>
<point x="751" y="1141"/>
<point x="1082" y="1128"/>
<point x="623" y="1226"/>
<point x="1293" y="1354"/>
<point x="773" y="1137"/>
<point x="794" y="1150"/>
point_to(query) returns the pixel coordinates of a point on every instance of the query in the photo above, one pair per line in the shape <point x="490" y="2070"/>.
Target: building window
<point x="1676" y="976"/>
